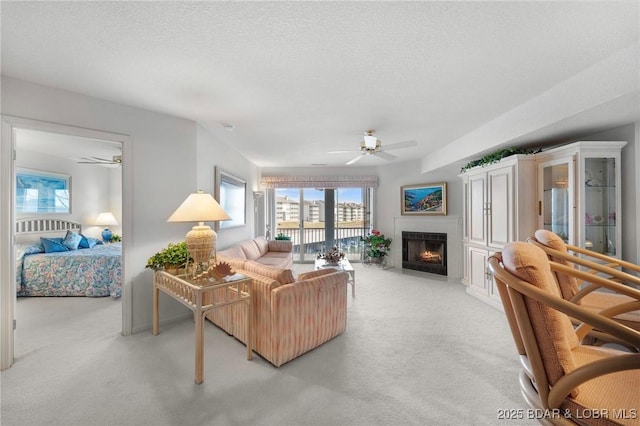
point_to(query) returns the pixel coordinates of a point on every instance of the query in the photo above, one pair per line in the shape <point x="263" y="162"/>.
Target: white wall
<point x="91" y="188"/>
<point x="212" y="153"/>
<point x="390" y="221"/>
<point x="160" y="170"/>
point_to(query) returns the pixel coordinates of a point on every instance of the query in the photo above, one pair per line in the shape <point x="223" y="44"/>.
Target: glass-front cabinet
<point x="579" y="194"/>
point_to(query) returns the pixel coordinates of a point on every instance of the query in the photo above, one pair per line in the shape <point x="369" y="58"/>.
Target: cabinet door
<point x="501" y="221"/>
<point x="477" y="209"/>
<point x="478" y="269"/>
<point x="601" y="205"/>
<point x="556" y="198"/>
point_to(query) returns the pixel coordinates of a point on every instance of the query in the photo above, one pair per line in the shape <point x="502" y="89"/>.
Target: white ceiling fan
<point x="371" y="145"/>
<point x="117" y="159"/>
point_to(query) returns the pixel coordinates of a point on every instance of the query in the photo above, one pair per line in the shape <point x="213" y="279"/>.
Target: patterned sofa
<point x="290" y="316"/>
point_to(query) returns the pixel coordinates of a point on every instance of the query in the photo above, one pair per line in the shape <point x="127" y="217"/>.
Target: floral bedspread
<point x="93" y="272"/>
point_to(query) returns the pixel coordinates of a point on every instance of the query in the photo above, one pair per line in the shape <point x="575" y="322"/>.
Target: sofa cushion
<point x="250" y="250"/>
<point x="234" y="251"/>
<point x="283" y="276"/>
<point x="263" y="245"/>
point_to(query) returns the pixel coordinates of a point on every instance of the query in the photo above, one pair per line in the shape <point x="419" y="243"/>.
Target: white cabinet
<point x="579" y="194"/>
<point x="500" y="206"/>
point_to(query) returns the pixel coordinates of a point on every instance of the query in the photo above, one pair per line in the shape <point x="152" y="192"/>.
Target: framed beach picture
<point x="424" y="199"/>
<point x="230" y="192"/>
<point x="42" y="192"/>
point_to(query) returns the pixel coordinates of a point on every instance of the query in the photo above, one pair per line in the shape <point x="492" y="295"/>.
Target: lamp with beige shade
<point x="201" y="240"/>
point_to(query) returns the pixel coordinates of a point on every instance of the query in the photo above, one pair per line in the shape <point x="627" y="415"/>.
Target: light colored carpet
<point x="417" y="351"/>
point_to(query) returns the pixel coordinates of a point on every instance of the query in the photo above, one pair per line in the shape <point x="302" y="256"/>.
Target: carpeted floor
<point x="417" y="351"/>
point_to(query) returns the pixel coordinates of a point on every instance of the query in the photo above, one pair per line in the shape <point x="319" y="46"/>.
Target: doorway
<point x="17" y="141"/>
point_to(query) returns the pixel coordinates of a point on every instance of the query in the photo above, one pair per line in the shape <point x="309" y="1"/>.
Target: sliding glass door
<point x="317" y="219"/>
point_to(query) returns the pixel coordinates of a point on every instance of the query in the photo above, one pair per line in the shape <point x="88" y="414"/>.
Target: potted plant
<point x="171" y="259"/>
<point x="376" y="247"/>
<point x="282" y="236"/>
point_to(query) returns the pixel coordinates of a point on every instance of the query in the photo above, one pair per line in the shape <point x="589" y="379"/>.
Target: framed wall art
<point x="231" y="194"/>
<point x="424" y="199"/>
<point x="42" y="192"/>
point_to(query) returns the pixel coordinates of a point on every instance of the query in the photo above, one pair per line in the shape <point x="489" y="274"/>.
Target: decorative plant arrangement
<point x="282" y="236"/>
<point x="333" y="256"/>
<point x="376" y="244"/>
<point x="115" y="238"/>
<point x="173" y="257"/>
<point x="497" y="156"/>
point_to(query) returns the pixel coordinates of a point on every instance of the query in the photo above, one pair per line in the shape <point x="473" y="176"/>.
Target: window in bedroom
<point x="42" y="192"/>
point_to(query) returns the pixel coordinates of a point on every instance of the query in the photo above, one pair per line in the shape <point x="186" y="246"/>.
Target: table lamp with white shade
<point x="106" y="219"/>
<point x="201" y="240"/>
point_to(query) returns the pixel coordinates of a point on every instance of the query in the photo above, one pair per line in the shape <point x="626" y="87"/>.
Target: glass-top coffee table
<point x="343" y="265"/>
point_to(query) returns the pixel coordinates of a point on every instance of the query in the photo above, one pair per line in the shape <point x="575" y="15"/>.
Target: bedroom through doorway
<point x="70" y="179"/>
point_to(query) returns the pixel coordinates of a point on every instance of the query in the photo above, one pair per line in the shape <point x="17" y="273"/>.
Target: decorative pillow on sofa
<point x="283" y="276"/>
<point x="53" y="245"/>
<point x="72" y="240"/>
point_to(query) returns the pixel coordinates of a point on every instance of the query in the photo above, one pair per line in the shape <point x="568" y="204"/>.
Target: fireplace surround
<point x="424" y="251"/>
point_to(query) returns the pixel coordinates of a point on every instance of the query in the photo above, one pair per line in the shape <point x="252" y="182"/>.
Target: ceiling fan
<point x="117" y="159"/>
<point x="371" y="145"/>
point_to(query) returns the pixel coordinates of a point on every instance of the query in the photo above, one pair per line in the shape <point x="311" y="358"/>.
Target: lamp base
<point x="106" y="235"/>
<point x="201" y="244"/>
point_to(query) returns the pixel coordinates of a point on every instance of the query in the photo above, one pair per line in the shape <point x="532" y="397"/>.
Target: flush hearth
<point x="425" y="251"/>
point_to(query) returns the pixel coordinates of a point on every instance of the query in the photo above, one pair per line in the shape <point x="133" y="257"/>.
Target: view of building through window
<point x="314" y="223"/>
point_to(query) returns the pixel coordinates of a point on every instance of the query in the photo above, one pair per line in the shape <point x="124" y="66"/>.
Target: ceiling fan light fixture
<point x="370" y="141"/>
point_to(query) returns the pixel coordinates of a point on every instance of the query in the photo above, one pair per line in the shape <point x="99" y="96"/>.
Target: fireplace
<point x="424" y="251"/>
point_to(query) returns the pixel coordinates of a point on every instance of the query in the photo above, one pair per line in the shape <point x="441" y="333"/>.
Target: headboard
<point x="32" y="229"/>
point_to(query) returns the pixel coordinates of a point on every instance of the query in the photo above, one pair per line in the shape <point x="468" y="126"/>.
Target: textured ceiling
<point x="310" y="77"/>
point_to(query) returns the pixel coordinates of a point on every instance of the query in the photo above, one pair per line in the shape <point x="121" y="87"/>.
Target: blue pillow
<point x="52" y="246"/>
<point x="72" y="240"/>
<point x="88" y="242"/>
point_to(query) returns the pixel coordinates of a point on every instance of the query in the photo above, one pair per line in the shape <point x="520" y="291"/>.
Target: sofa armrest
<point x="281" y="245"/>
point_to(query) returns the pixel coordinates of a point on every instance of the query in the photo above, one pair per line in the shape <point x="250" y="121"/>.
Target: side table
<point x="343" y="265"/>
<point x="237" y="289"/>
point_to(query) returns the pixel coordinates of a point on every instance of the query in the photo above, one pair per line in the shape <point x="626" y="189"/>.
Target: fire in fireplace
<point x="424" y="251"/>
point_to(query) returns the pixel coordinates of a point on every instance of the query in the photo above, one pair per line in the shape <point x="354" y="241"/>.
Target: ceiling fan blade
<point x="104" y="160"/>
<point x="355" y="159"/>
<point x="385" y="155"/>
<point x="405" y="144"/>
<point x="342" y="152"/>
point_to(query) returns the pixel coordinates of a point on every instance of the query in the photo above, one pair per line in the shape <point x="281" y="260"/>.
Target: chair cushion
<point x="250" y="250"/>
<point x="568" y="284"/>
<point x="553" y="330"/>
<point x="600" y="300"/>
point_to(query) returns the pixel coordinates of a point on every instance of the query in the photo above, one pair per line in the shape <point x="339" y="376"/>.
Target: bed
<point x="93" y="269"/>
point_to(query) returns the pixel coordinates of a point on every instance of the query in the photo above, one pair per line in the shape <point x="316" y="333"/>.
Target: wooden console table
<point x="237" y="289"/>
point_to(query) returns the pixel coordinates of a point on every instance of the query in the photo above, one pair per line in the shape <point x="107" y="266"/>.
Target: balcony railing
<point x="347" y="239"/>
